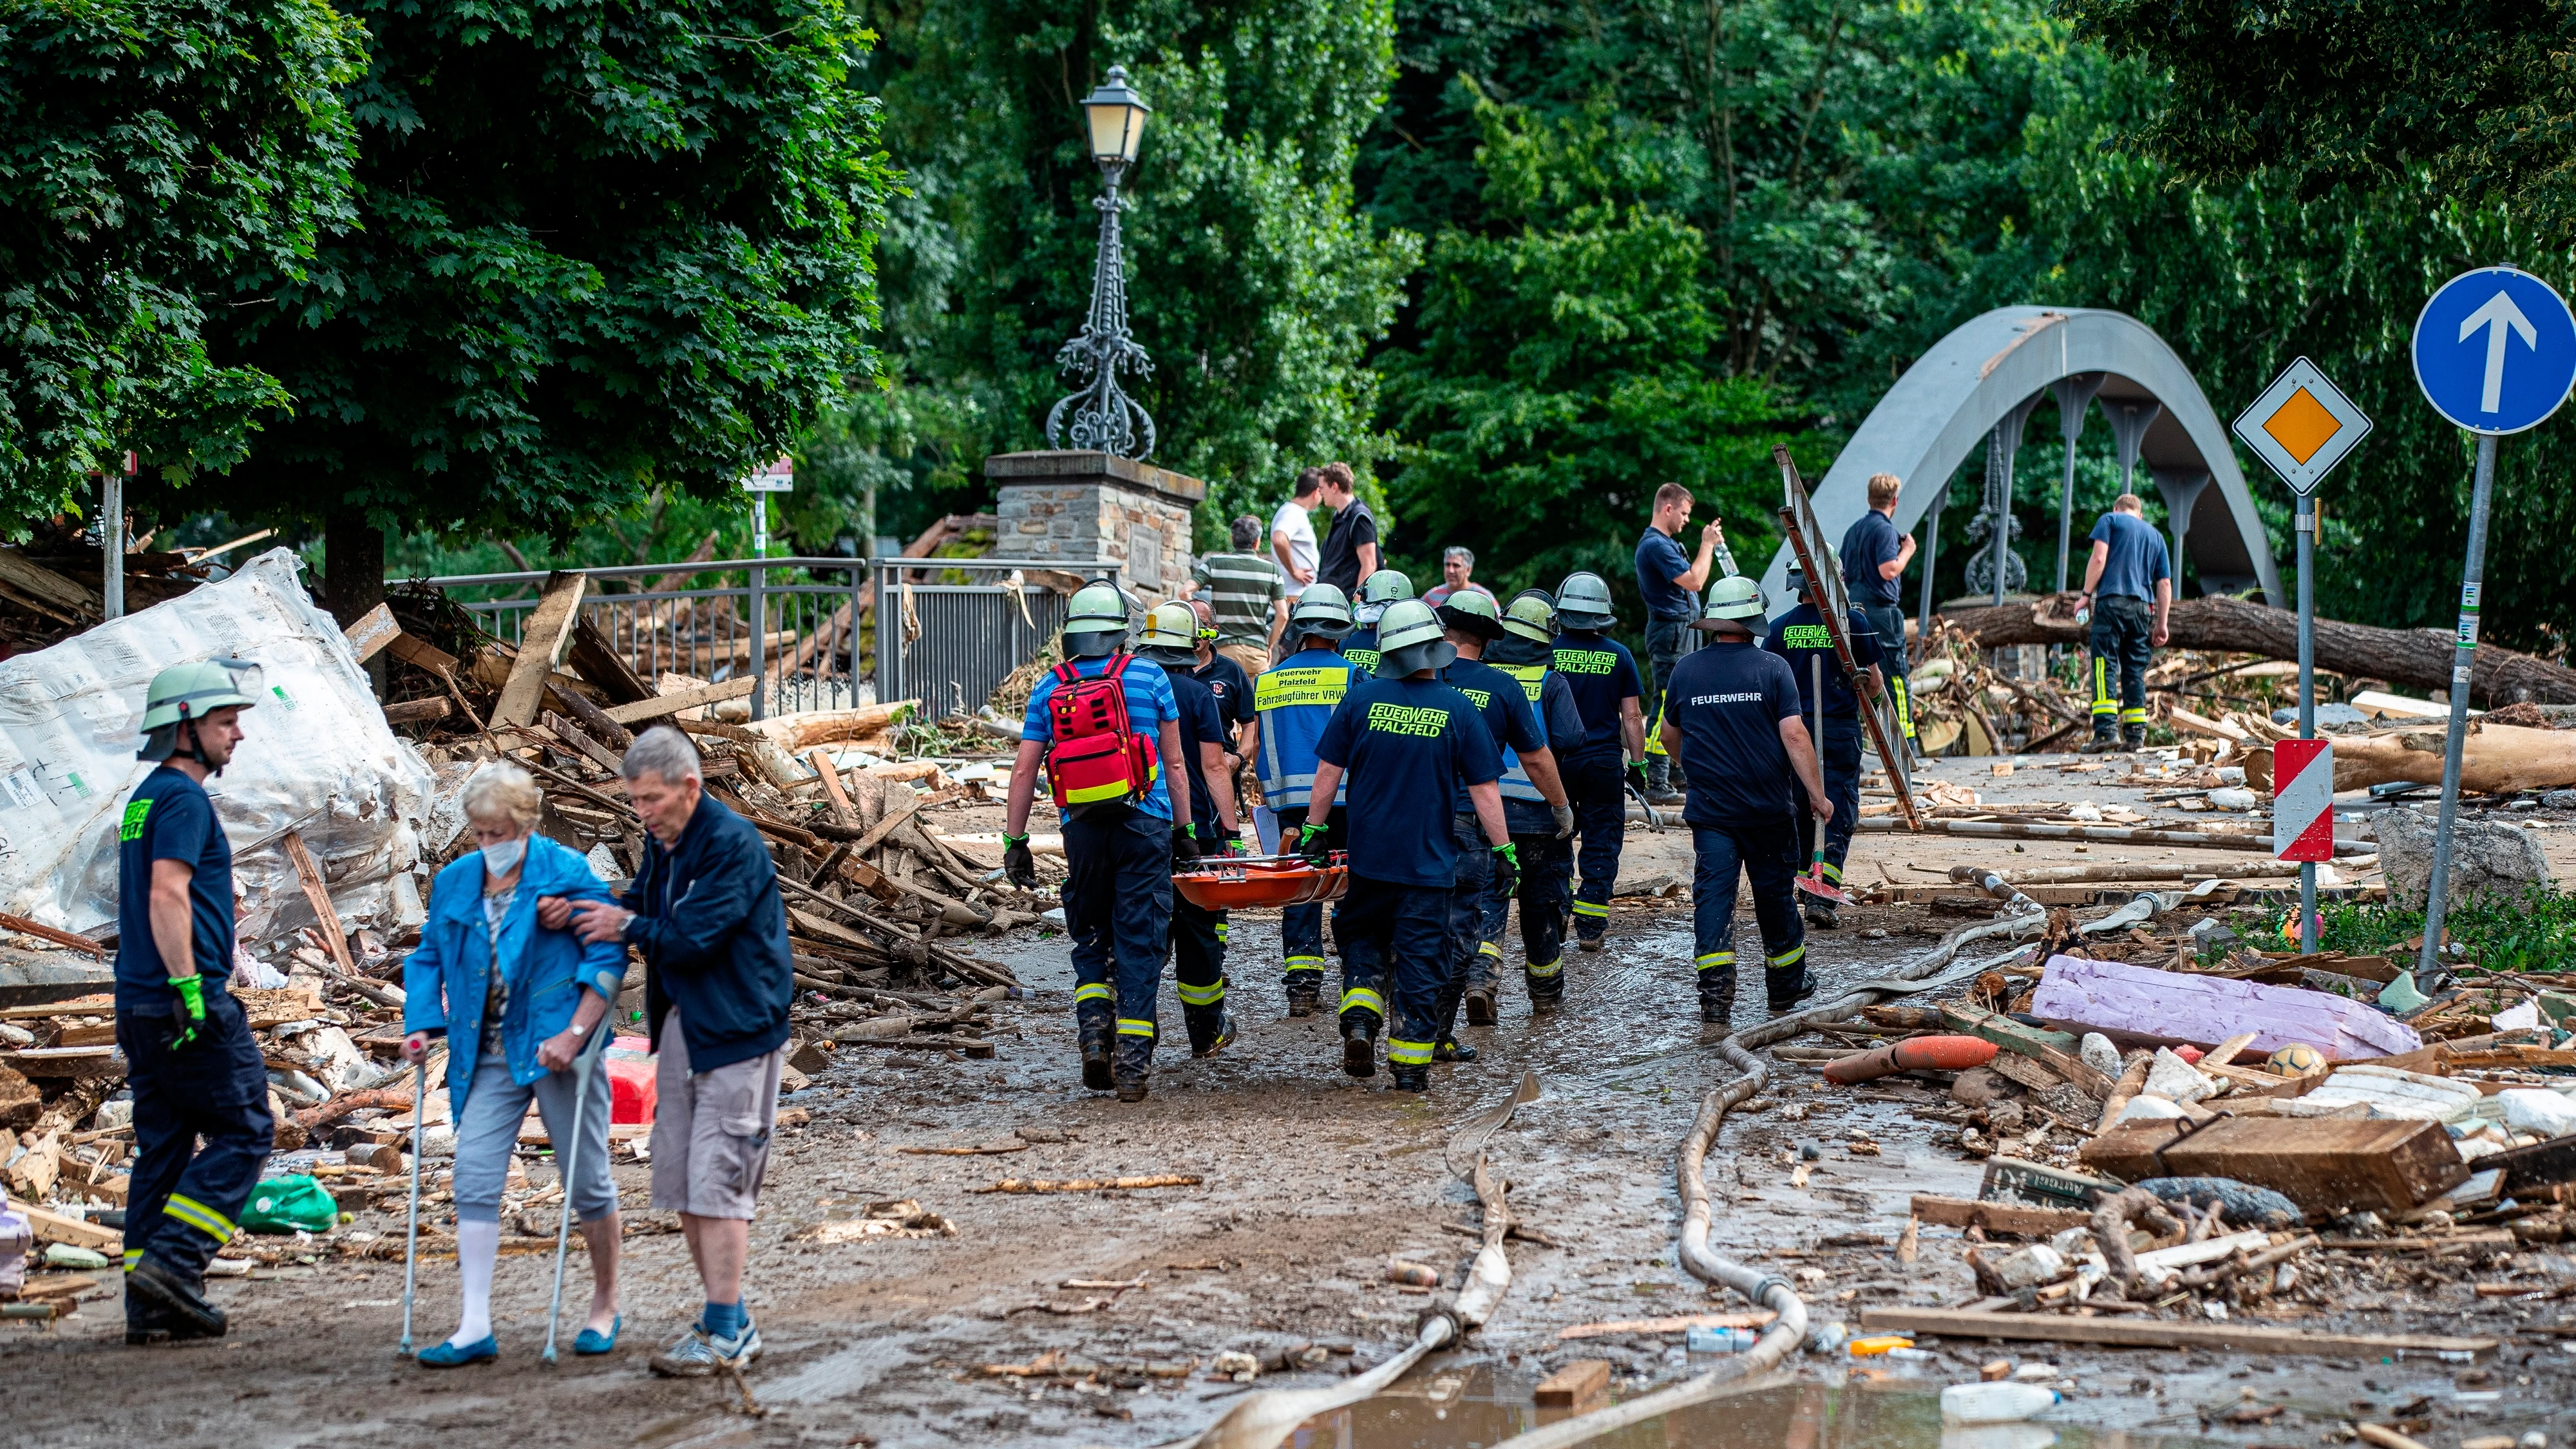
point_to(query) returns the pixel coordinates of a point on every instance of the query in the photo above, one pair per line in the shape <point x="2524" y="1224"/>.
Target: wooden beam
<point x="374" y="630"/>
<point x="595" y="660"/>
<point x="541" y="646"/>
<point x="41" y="589"/>
<point x="1998" y="1217"/>
<point x="418" y="711"/>
<point x="2147" y="1333"/>
<point x="318" y="895"/>
<point x="669" y="704"/>
<point x="420" y="654"/>
<point x="47" y="933"/>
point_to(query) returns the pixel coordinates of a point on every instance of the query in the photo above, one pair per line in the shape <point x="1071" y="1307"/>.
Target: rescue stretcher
<point x="1238" y="882"/>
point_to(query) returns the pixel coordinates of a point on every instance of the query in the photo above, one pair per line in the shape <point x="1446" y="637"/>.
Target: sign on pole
<point x="778" y="477"/>
<point x="2303" y="800"/>
<point x="2302" y="426"/>
<point x="2495" y="350"/>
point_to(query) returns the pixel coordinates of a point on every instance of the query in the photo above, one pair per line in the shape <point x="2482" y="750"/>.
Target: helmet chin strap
<point x="196" y="750"/>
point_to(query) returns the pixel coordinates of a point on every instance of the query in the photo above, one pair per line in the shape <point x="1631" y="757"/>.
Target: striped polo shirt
<point x="1240" y="588"/>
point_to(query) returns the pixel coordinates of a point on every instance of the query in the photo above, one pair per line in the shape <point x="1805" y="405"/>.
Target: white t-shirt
<point x="1293" y="521"/>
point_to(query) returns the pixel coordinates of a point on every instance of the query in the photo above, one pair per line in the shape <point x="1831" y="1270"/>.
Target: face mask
<point x="499" y="860"/>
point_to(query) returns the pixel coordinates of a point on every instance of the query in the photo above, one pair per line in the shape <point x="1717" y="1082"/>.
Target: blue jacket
<point x="446" y="979"/>
<point x="714" y="936"/>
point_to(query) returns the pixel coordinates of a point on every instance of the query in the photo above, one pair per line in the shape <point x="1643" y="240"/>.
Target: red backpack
<point x="1095" y="759"/>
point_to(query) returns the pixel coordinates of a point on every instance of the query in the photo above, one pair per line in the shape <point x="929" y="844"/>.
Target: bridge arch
<point x="1981" y="382"/>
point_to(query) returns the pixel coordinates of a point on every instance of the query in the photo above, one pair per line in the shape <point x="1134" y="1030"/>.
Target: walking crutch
<point x="411" y="1235"/>
<point x="565" y="1160"/>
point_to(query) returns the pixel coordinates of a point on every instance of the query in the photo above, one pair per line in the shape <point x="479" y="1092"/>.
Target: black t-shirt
<point x="1799" y="636"/>
<point x="1603" y="673"/>
<point x="170" y="817"/>
<point x="1728" y="699"/>
<point x="1502" y="704"/>
<point x="1408" y="745"/>
<point x="1340" y="562"/>
<point x="1200" y="725"/>
<point x="1867" y="544"/>
<point x="1233" y="690"/>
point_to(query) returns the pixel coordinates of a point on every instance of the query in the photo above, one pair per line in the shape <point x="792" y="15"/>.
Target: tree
<point x="152" y="154"/>
<point x="600" y="249"/>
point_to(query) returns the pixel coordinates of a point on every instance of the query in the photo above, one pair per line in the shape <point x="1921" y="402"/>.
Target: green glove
<point x="1507" y="864"/>
<point x="192" y="993"/>
<point x="1307" y="835"/>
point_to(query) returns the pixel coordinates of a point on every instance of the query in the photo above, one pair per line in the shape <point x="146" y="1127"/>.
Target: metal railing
<point x="955" y="639"/>
<point x="802" y="636"/>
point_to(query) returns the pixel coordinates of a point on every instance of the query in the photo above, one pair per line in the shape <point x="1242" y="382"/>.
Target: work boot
<point x="180" y="1296"/>
<point x="1587" y="943"/>
<point x="1717" y="1002"/>
<point x="1305" y="995"/>
<point x="1410" y="1079"/>
<point x="1096" y="1075"/>
<point x="1480" y="1007"/>
<point x="2099" y="745"/>
<point x="1820" y="913"/>
<point x="1448" y="1049"/>
<point x="147" y="1322"/>
<point x="2133" y="739"/>
<point x="1659" y="783"/>
<point x="1359" y="1042"/>
<point x="1133" y="1065"/>
<point x="1223" y="1037"/>
<point x="1786" y="994"/>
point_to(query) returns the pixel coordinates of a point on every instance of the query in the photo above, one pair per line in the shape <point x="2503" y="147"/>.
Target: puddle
<point x="1468" y="1407"/>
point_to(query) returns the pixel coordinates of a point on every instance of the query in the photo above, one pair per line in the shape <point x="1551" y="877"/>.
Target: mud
<point x="1313" y="1181"/>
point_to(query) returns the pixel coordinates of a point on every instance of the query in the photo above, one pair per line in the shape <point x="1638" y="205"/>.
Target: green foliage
<point x="2534" y="930"/>
<point x="152" y="155"/>
<point x="601" y="250"/>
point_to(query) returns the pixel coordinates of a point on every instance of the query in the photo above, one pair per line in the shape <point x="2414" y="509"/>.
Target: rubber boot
<point x="1410" y="1079"/>
<point x="179" y="1297"/>
<point x="1717" y="998"/>
<point x="1134" y="1064"/>
<point x="1546" y="993"/>
<point x="1359" y="1042"/>
<point x="1305" y="992"/>
<point x="1480" y="1007"/>
<point x="1095" y="1027"/>
<point x="1448" y="1049"/>
<point x="1787" y="988"/>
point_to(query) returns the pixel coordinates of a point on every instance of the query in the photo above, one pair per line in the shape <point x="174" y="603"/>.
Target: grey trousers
<point x="488" y="1129"/>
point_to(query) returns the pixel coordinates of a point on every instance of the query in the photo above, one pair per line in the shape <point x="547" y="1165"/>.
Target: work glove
<point x="1310" y="842"/>
<point x="1185" y="849"/>
<point x="1564" y="820"/>
<point x="192" y="995"/>
<point x="1507" y="868"/>
<point x="1637" y="774"/>
<point x="1018" y="866"/>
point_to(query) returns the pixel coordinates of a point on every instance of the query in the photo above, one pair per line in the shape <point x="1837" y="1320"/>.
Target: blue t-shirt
<point x="2137" y="558"/>
<point x="1200" y="725"/>
<point x="1728" y="699"/>
<point x="1149" y="703"/>
<point x="170" y="817"/>
<point x="1660" y="560"/>
<point x="1503" y="706"/>
<point x="1867" y="544"/>
<point x="1799" y="636"/>
<point x="1408" y="745"/>
<point x="1603" y="673"/>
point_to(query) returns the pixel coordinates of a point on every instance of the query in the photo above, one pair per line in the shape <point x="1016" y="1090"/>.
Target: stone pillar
<point x="1086" y="510"/>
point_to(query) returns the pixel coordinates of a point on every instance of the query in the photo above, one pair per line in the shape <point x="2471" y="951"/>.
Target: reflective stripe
<point x="132" y="1257"/>
<point x="1362" y="997"/>
<point x="1096" y="991"/>
<point x="1904" y="692"/>
<point x="2133" y="716"/>
<point x="199" y="1216"/>
<point x="1224" y="933"/>
<point x="1790" y="957"/>
<point x="1833" y="872"/>
<point x="1408" y="1053"/>
<point x="1129" y="1026"/>
<point x="1655" y="731"/>
<point x="1202" y="995"/>
<point x="1715" y="959"/>
<point x="2102" y="701"/>
<point x="1488" y="948"/>
<point x="1587" y="908"/>
<point x="1305" y="963"/>
<point x="1097" y="793"/>
<point x="1542" y="970"/>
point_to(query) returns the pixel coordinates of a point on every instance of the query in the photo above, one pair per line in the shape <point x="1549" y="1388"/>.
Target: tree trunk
<point x="353" y="565"/>
<point x="2420" y="658"/>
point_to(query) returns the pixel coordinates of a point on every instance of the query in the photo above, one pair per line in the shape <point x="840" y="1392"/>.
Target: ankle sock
<point x="725" y="1320"/>
<point x="478" y="1244"/>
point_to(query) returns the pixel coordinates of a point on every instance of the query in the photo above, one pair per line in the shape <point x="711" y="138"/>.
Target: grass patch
<point x="2534" y="931"/>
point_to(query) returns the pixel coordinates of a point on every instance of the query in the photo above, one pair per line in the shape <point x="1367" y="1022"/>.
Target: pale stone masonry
<point x="1097" y="508"/>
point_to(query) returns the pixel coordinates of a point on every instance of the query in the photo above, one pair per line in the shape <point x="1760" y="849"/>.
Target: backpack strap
<point x="1065" y="673"/>
<point x="1117" y="666"/>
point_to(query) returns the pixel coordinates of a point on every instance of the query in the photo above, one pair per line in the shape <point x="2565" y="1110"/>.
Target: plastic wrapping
<point x="318" y="759"/>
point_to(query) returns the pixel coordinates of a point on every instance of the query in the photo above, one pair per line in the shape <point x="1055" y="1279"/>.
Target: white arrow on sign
<point x="2498" y="314"/>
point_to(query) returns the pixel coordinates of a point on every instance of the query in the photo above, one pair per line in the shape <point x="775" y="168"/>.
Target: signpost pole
<point x="2308" y="695"/>
<point x="2466" y="646"/>
<point x="111" y="537"/>
<point x="759" y="603"/>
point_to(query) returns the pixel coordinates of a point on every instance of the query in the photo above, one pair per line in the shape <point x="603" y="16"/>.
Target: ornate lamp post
<point x="1103" y="417"/>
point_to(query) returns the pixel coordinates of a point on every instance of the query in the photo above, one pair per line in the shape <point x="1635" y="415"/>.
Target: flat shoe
<point x="591" y="1340"/>
<point x="445" y="1355"/>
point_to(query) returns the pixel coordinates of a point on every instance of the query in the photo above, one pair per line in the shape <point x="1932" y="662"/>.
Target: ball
<point x="2298" y="1059"/>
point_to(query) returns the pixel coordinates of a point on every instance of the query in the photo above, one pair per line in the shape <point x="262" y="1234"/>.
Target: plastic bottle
<point x="2002" y="1402"/>
<point x="1709" y="1338"/>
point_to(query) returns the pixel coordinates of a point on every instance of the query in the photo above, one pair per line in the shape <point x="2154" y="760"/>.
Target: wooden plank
<point x="372" y="632"/>
<point x="53" y="1227"/>
<point x="318" y="896"/>
<point x="54" y="1063"/>
<point x="33" y="1175"/>
<point x="2329" y="1166"/>
<point x="2017" y="1068"/>
<point x="595" y="660"/>
<point x="2225" y="1052"/>
<point x="670" y="704"/>
<point x="1998" y="1217"/>
<point x="2054" y="1050"/>
<point x="44" y="590"/>
<point x="43" y="932"/>
<point x="830" y="773"/>
<point x="897" y="812"/>
<point x="418" y="711"/>
<point x="2541" y="1164"/>
<point x="1574" y="1386"/>
<point x="541" y="646"/>
<point x="573" y="735"/>
<point x="420" y="653"/>
<point x="2490" y="1238"/>
<point x="1679" y="1323"/>
<point x="2148" y="1333"/>
<point x="594" y="720"/>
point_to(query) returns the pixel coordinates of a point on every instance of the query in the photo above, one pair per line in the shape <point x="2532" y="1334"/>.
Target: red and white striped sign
<point x="2303" y="800"/>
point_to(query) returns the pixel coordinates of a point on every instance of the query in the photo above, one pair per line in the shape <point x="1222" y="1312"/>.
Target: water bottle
<point x="2002" y="1402"/>
<point x="1709" y="1338"/>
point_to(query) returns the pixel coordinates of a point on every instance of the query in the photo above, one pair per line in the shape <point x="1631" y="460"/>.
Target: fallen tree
<point x="2494" y="759"/>
<point x="2420" y="658"/>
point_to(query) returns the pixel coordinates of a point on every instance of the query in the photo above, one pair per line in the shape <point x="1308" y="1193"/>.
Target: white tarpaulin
<point x="319" y="760"/>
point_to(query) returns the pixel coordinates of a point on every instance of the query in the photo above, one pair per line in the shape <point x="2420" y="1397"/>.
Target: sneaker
<point x="181" y="1299"/>
<point x="697" y="1353"/>
<point x="1480" y="1007"/>
<point x="1820" y="914"/>
<point x="1359" y="1049"/>
<point x="1224" y="1037"/>
<point x="1447" y="1049"/>
<point x="1095" y="1067"/>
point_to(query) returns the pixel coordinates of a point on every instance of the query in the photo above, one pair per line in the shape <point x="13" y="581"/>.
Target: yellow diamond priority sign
<point x="2302" y="426"/>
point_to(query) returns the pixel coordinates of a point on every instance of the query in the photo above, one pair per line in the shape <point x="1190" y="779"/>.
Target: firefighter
<point x="1541" y="831"/>
<point x="1107" y="749"/>
<point x="1800" y="637"/>
<point x="1294" y="698"/>
<point x="1533" y="801"/>
<point x="1606" y="694"/>
<point x="1377" y="591"/>
<point x="1411" y="745"/>
<point x="1198" y="934"/>
<point x="1731" y="717"/>
<point x="201" y="1120"/>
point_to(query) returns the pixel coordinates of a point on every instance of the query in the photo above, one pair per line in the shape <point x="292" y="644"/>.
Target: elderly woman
<point x="517" y="1003"/>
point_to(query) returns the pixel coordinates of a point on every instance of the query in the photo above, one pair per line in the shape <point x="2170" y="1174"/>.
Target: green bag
<point x="283" y="1204"/>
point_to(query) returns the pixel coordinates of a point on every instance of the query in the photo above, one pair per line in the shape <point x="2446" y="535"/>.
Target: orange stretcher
<point x="1238" y="882"/>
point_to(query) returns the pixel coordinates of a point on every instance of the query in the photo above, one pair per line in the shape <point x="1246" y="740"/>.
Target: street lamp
<point x="1104" y="418"/>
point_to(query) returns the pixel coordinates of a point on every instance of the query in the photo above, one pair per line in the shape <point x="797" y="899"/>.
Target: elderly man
<point x="704" y="911"/>
<point x="1456" y="564"/>
<point x="1246" y="598"/>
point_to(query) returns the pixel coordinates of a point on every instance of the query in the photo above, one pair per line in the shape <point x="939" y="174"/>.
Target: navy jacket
<point x="714" y="936"/>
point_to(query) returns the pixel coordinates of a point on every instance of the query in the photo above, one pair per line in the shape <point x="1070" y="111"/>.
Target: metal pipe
<point x="111" y="534"/>
<point x="2472" y="576"/>
<point x="2122" y="834"/>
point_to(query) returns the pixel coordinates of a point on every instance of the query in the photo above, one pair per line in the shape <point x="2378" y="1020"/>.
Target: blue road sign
<point x="2495" y="350"/>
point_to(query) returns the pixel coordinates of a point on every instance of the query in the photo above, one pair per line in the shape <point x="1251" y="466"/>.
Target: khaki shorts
<point x="1253" y="657"/>
<point x="711" y="1129"/>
